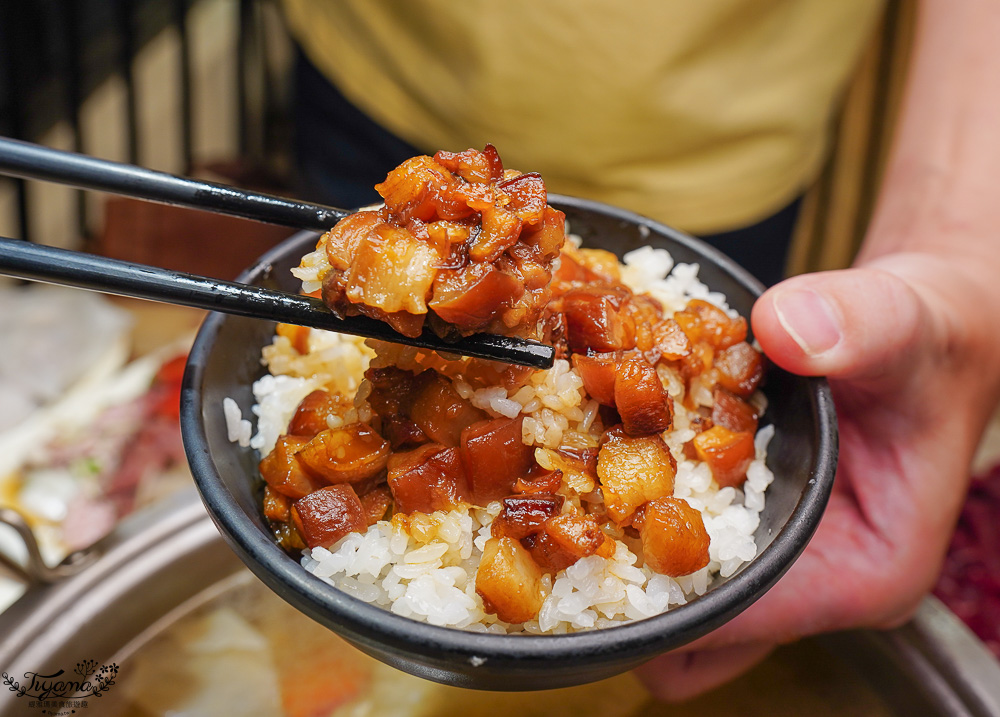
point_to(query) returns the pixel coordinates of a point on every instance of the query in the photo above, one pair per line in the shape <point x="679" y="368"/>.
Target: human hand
<point x="907" y="344"/>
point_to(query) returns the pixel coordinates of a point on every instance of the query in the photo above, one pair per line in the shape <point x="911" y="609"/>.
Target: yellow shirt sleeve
<point x="707" y="115"/>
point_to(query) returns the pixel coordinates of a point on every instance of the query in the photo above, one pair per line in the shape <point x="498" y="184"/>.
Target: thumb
<point x="855" y="324"/>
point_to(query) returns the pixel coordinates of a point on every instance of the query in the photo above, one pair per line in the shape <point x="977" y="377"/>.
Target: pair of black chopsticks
<point x="43" y="263"/>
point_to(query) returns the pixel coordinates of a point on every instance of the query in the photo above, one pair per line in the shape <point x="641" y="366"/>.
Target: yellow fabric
<point x="704" y="114"/>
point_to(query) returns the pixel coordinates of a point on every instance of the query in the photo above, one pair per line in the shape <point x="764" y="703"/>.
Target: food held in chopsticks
<point x="460" y="243"/>
<point x="403" y="260"/>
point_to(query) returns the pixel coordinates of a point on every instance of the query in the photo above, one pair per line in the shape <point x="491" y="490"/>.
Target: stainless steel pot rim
<point x="132" y="552"/>
<point x="935" y="649"/>
<point x="35" y="571"/>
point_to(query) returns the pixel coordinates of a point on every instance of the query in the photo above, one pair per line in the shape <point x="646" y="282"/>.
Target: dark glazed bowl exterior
<point x="225" y="361"/>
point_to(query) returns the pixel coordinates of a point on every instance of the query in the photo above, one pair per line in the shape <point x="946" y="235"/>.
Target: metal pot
<point x="164" y="562"/>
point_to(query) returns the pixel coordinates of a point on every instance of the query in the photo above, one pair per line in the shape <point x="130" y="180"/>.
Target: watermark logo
<point x="59" y="693"/>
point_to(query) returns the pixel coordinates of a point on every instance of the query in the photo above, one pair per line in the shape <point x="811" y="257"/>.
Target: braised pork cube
<point x="533" y="270"/>
<point x="391" y="398"/>
<point x="276" y="505"/>
<point x="697" y="361"/>
<point x="298" y="336"/>
<point x="509" y="581"/>
<point x="314" y="410"/>
<point x="341" y="242"/>
<point x="439" y="411"/>
<point x="699" y="422"/>
<point x="542" y="241"/>
<point x="401" y="432"/>
<point x="583" y="460"/>
<point x="572" y="272"/>
<point x="391" y="390"/>
<point x="674" y="539"/>
<point x="603" y="263"/>
<point x="422" y="188"/>
<point x="702" y="321"/>
<point x="426" y="479"/>
<point x="732" y="412"/>
<point x="577" y="468"/>
<point x="633" y="471"/>
<point x="283" y="470"/>
<point x="392" y="272"/>
<point x="630" y="385"/>
<point x="499" y="232"/>
<point x="523" y="515"/>
<point x="450" y="239"/>
<point x="472" y="166"/>
<point x="527" y="196"/>
<point x="594" y="320"/>
<point x="325" y="516"/>
<point x="376" y="503"/>
<point x="287" y="536"/>
<point x="345" y="455"/>
<point x="645" y="313"/>
<point x="670" y="340"/>
<point x="564" y="539"/>
<point x="495" y="457"/>
<point x="468" y="298"/>
<point x="503" y="224"/>
<point x="598" y="374"/>
<point x="740" y="368"/>
<point x="642" y="402"/>
<point x="538" y="481"/>
<point x="727" y="453"/>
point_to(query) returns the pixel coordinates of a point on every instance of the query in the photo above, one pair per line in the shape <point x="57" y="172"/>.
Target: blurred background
<point x="184" y="86"/>
<point x="201" y="87"/>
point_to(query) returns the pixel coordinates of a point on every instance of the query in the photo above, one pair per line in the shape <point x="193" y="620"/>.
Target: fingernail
<point x="809" y="320"/>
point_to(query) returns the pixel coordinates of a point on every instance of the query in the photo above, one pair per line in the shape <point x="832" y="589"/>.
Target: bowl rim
<point x="377" y="627"/>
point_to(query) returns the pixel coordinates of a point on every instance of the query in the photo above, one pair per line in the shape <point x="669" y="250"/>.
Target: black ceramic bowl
<point x="225" y="361"/>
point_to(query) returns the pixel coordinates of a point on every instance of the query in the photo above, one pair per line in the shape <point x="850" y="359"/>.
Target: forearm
<point x="941" y="193"/>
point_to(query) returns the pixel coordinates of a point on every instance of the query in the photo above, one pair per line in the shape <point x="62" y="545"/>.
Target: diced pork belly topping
<point x="465" y="243"/>
<point x="460" y="243"/>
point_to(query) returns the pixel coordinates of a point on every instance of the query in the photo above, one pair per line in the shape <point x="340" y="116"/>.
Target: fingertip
<point x="784" y="347"/>
<point x="846" y="324"/>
